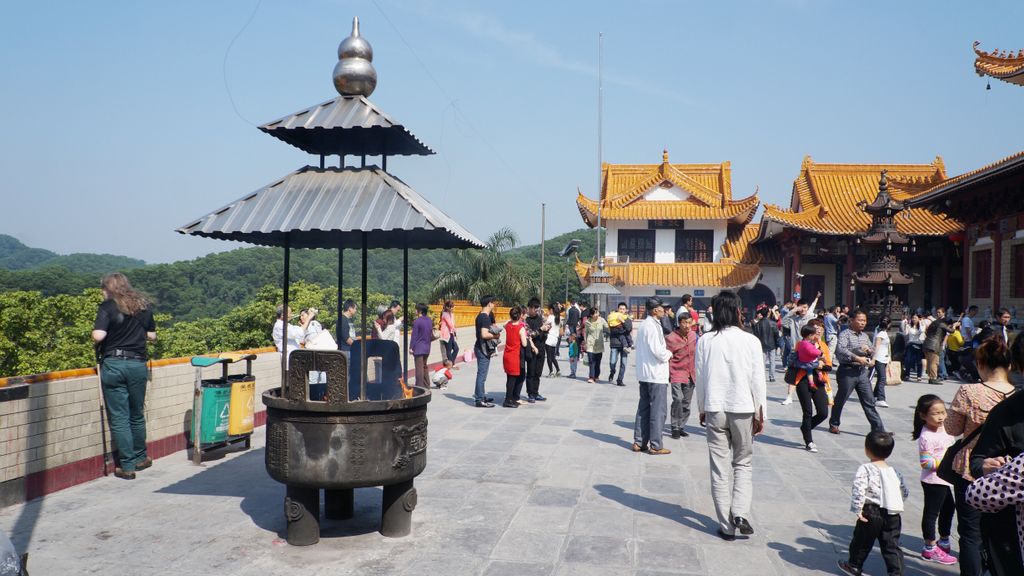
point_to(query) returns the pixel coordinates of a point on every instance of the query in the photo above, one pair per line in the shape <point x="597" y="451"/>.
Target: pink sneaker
<point x="946" y="546"/>
<point x="939" y="555"/>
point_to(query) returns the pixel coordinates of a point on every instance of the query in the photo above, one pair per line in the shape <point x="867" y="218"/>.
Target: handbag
<point x="322" y="341"/>
<point x="894" y="373"/>
<point x="945" y="469"/>
<point x="790" y="376"/>
<point x="435" y="334"/>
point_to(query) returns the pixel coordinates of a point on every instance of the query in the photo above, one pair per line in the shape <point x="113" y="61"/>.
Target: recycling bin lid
<point x="225" y="358"/>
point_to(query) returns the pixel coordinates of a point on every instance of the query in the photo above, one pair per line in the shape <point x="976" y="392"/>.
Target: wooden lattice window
<point x="695" y="245"/>
<point x="636" y="245"/>
<point x="1018" y="271"/>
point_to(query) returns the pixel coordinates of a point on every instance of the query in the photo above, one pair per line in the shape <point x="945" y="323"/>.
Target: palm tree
<point x="485" y="272"/>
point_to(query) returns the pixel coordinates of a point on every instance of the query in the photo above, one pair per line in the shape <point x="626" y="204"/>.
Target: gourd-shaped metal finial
<point x="354" y="74"/>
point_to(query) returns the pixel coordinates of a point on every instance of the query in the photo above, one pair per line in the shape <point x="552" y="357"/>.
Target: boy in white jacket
<point x="652" y="356"/>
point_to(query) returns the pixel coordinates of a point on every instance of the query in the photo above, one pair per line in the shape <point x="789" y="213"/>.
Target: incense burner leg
<point x="396" y="513"/>
<point x="302" y="511"/>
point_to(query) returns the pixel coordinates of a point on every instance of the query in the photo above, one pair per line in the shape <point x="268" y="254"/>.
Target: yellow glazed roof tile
<point x="825" y="198"/>
<point x="739" y="211"/>
<point x="725" y="274"/>
<point x="739" y="246"/>
<point x="1000" y="64"/>
<point x="709" y="187"/>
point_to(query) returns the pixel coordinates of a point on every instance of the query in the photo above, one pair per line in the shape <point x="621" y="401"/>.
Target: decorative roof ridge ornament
<point x="354" y="74"/>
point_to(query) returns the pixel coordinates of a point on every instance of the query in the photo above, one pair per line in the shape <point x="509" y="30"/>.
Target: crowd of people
<point x="723" y="360"/>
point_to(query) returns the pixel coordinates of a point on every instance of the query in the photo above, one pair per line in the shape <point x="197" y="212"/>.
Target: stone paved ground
<point x="550" y="488"/>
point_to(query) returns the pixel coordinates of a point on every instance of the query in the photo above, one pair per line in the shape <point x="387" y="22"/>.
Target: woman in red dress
<point x="512" y="359"/>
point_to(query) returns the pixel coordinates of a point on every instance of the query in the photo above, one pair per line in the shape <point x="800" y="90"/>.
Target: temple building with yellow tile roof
<point x="820" y="234"/>
<point x="675" y="229"/>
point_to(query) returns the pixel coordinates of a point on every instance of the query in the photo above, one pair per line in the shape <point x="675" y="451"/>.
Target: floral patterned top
<point x="999" y="489"/>
<point x="967" y="412"/>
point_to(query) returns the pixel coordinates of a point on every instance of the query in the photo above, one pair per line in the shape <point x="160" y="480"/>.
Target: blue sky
<point x="119" y="127"/>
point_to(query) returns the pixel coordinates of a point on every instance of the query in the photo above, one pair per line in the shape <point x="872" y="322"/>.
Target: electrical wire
<point x="224" y="64"/>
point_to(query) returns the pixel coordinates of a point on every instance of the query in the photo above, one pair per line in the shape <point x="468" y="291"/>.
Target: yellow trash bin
<point x="243" y="398"/>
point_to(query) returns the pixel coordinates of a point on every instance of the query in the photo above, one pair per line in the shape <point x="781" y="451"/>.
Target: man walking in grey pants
<point x="731" y="398"/>
<point x="682" y="343"/>
<point x="652" y="358"/>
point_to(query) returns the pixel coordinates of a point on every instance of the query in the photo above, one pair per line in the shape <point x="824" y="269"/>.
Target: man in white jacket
<point x="731" y="398"/>
<point x="652" y="358"/>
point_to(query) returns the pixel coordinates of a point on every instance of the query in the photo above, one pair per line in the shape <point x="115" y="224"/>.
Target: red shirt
<point x="680" y="366"/>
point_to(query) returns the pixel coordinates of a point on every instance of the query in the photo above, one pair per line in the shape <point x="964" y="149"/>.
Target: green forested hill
<point x="16" y="256"/>
<point x="212" y="285"/>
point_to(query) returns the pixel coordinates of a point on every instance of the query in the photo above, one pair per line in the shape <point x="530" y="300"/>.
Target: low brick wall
<point x="50" y="427"/>
<point x="50" y="431"/>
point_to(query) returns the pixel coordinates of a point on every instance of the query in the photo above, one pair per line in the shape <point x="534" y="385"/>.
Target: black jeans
<point x="552" y="356"/>
<point x="883" y="527"/>
<point x="968" y="525"/>
<point x="814" y="405"/>
<point x="938" y="505"/>
<point x="534" y="368"/>
<point x="880" y="381"/>
<point x="449" y="349"/>
<point x="595" y="364"/>
<point x="852" y="378"/>
<point x="912" y="360"/>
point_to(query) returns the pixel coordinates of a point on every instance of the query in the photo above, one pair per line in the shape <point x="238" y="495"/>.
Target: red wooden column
<point x="997" y="269"/>
<point x="966" y="251"/>
<point x="787" y="266"/>
<point x="848" y="273"/>
<point x="944" y="284"/>
<point x="797" y="285"/>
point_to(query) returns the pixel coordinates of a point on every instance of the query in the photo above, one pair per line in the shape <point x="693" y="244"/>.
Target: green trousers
<point x="124" y="393"/>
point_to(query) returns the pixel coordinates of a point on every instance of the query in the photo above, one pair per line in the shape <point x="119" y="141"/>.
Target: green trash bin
<point x="216" y="399"/>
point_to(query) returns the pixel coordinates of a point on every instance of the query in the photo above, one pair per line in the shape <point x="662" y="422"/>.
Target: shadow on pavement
<point x="684" y="516"/>
<point x="765" y="439"/>
<point x="607" y="438"/>
<point x="839" y="536"/>
<point x="467" y="400"/>
<point x="262" y="497"/>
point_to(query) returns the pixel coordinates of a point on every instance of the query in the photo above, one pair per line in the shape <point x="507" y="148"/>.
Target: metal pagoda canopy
<point x="342" y="207"/>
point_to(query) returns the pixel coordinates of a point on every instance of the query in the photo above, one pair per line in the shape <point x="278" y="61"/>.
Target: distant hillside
<point x="16" y="256"/>
<point x="212" y="285"/>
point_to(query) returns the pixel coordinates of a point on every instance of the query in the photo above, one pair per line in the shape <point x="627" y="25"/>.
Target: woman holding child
<point x="814" y="362"/>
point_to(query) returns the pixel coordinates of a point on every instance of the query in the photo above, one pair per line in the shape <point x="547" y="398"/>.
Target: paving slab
<point x="545" y="489"/>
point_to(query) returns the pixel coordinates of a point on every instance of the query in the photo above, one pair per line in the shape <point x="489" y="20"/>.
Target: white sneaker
<point x="881" y="404"/>
<point x="811" y="447"/>
<point x="787" y="401"/>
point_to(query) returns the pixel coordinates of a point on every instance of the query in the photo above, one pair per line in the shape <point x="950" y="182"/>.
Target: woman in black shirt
<point x="123" y="325"/>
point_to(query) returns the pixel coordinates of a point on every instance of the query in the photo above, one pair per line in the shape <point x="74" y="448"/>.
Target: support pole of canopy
<point x="542" y="207"/>
<point x="341" y="268"/>
<point x="284" y="304"/>
<point x="362" y="161"/>
<point x="384" y="162"/>
<point x="405" y="308"/>
<point x="362" y="329"/>
<point x="321" y="161"/>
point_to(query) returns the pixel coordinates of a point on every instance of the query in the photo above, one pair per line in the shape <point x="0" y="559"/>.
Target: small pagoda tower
<point x="882" y="272"/>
